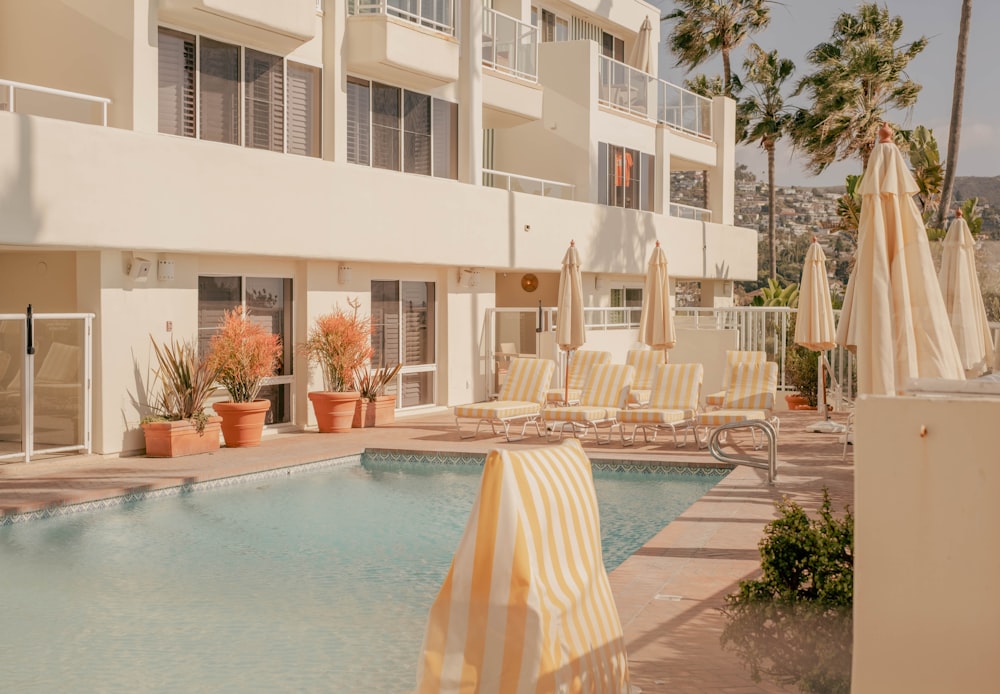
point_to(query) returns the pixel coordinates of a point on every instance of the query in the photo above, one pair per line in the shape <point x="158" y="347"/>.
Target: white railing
<point x="624" y="88"/>
<point x="683" y="110"/>
<point x="8" y="90"/>
<point x="526" y="184"/>
<point x="510" y="45"/>
<point x="433" y="14"/>
<point x="699" y="214"/>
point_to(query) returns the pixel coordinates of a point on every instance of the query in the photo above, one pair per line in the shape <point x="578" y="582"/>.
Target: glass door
<point x="403" y="321"/>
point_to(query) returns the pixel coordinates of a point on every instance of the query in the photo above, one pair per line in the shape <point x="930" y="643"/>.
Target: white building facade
<point x="163" y="160"/>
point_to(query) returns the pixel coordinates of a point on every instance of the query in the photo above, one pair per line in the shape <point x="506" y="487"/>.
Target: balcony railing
<point x="699" y="214"/>
<point x="527" y="184"/>
<point x="510" y="45"/>
<point x="49" y="106"/>
<point x="438" y="15"/>
<point x="624" y="88"/>
<point x="683" y="110"/>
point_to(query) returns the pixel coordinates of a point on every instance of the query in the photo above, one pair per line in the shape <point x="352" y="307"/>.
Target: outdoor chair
<point x="645" y="362"/>
<point x="751" y="395"/>
<point x="602" y="400"/>
<point x="580" y="364"/>
<point x="673" y="403"/>
<point x="734" y="357"/>
<point x="520" y="399"/>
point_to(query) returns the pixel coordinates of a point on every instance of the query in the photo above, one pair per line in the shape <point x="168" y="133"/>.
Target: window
<point x="553" y="28"/>
<point x="626" y="297"/>
<point x="613" y="47"/>
<point x="403" y="331"/>
<point x="279" y="112"/>
<point x="393" y="128"/>
<point x="267" y="301"/>
<point x="625" y="177"/>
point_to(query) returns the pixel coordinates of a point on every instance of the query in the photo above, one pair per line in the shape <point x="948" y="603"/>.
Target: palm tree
<point x="706" y="28"/>
<point x="860" y="73"/>
<point x="955" y="130"/>
<point x="767" y="119"/>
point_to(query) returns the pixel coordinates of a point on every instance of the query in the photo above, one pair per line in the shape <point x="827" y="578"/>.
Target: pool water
<point x="318" y="581"/>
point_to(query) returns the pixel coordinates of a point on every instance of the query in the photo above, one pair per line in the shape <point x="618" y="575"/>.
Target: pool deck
<point x="668" y="594"/>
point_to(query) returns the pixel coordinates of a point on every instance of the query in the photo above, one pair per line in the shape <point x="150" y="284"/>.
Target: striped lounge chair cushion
<point x="645" y="362"/>
<point x="527" y="380"/>
<point x="733" y="357"/>
<point x="581" y="362"/>
<point x="580" y="413"/>
<point x="555" y="395"/>
<point x="504" y="409"/>
<point x="719" y="417"/>
<point x="646" y="415"/>
<point x="753" y="387"/>
<point x="677" y="387"/>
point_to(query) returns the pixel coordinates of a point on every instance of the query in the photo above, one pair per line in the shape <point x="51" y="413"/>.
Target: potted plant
<point x="375" y="408"/>
<point x="802" y="372"/>
<point x="179" y="424"/>
<point x="339" y="343"/>
<point x="243" y="354"/>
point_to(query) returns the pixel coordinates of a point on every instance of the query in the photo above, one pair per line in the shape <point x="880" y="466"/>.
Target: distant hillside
<point x="987" y="189"/>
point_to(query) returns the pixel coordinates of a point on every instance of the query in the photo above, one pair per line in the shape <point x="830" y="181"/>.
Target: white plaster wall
<point x="927" y="545"/>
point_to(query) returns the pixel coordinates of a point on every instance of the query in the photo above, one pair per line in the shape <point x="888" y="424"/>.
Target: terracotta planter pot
<point x="242" y="422"/>
<point x="798" y="402"/>
<point x="375" y="413"/>
<point x="176" y="439"/>
<point x="334" y="411"/>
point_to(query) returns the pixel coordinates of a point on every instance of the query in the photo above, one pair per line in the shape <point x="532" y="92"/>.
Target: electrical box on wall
<point x="165" y="270"/>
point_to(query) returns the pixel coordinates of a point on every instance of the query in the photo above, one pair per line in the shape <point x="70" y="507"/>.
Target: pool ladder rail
<point x="770" y="463"/>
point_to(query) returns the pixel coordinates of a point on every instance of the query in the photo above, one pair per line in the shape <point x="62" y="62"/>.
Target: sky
<point x="799" y="25"/>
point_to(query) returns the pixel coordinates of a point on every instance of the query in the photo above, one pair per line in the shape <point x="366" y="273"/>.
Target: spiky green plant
<point x="185" y="382"/>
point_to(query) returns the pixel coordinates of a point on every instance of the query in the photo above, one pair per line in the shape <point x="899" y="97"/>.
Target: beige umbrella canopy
<point x="656" y="323"/>
<point x="893" y="316"/>
<point x="641" y="49"/>
<point x="814" y="326"/>
<point x="963" y="299"/>
<point x="570" y="331"/>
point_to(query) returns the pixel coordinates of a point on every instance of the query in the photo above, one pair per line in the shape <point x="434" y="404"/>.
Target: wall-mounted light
<point x="344" y="274"/>
<point x="468" y="277"/>
<point x="600" y="283"/>
<point x="165" y="270"/>
<point x="139" y="268"/>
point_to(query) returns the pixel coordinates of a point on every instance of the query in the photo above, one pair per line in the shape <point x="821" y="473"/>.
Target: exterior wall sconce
<point x="344" y="274"/>
<point x="139" y="268"/>
<point x="468" y="277"/>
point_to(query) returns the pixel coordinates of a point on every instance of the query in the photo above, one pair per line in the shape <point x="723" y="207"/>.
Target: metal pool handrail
<point x="770" y="464"/>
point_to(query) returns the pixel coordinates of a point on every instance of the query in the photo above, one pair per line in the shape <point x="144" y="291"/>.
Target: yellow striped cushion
<point x="501" y="409"/>
<point x="639" y="397"/>
<point x="560" y="395"/>
<point x="608" y="386"/>
<point x="677" y="387"/>
<point x="526" y="605"/>
<point x="733" y="357"/>
<point x="651" y="416"/>
<point x="715" y="399"/>
<point x="580" y="413"/>
<point x="527" y="380"/>
<point x="719" y="417"/>
<point x="581" y="362"/>
<point x="753" y="386"/>
<point x="645" y="361"/>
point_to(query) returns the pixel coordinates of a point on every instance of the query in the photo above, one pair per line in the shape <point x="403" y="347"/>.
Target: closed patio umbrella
<point x="641" y="49"/>
<point x="570" y="331"/>
<point x="656" y="323"/>
<point x="814" y="326"/>
<point x="893" y="316"/>
<point x="963" y="299"/>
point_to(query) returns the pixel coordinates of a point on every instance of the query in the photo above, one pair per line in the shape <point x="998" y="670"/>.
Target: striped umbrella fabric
<point x="527" y="606"/>
<point x="963" y="299"/>
<point x="570" y="330"/>
<point x="656" y="323"/>
<point x="814" y="326"/>
<point x="893" y="317"/>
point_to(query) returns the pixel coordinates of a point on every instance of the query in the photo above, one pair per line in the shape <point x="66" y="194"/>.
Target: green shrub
<point x="794" y="623"/>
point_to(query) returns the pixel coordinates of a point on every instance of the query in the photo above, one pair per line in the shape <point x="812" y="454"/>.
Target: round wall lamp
<point x="529" y="282"/>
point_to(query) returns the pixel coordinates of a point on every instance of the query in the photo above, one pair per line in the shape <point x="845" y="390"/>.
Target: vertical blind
<point x="176" y="100"/>
<point x="304" y="110"/>
<point x="264" y="98"/>
<point x="219" y="97"/>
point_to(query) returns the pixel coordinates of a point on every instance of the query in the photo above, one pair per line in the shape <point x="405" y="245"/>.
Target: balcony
<point x="698" y="214"/>
<point x="274" y="26"/>
<point x="511" y="95"/>
<point x="35" y="100"/>
<point x="410" y="43"/>
<point x="624" y="88"/>
<point x="526" y="184"/>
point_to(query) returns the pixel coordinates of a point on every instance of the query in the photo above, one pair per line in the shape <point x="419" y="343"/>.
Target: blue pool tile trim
<point x="132" y="497"/>
<point x="396" y="457"/>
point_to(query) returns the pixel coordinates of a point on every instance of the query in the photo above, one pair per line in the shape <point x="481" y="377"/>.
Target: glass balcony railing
<point x="527" y="184"/>
<point x="683" y="110"/>
<point x="699" y="214"/>
<point x="438" y="15"/>
<point x="625" y="88"/>
<point x="510" y="45"/>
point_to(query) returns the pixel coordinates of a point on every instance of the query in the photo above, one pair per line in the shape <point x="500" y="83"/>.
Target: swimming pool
<point x="318" y="581"/>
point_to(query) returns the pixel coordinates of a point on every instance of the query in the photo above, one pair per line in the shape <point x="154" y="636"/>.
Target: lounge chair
<point x="733" y="357"/>
<point x="526" y="605"/>
<point x="603" y="398"/>
<point x="673" y="403"/>
<point x="645" y="362"/>
<point x="520" y="399"/>
<point x="580" y="364"/>
<point x="750" y="396"/>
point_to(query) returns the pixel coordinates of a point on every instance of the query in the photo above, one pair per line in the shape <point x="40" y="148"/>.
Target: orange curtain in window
<point x="618" y="169"/>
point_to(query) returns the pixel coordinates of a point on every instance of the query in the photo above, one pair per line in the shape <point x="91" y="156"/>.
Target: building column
<point x="334" y="112"/>
<point x="661" y="186"/>
<point x="722" y="177"/>
<point x="470" y="92"/>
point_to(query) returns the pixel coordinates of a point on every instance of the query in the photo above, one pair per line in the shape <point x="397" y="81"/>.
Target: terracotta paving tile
<point x="673" y="644"/>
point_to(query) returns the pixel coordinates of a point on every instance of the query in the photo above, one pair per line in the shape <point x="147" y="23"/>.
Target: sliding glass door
<point x="403" y="321"/>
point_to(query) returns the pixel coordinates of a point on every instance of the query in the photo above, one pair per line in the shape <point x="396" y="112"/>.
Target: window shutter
<point x="304" y="110"/>
<point x="416" y="133"/>
<point x="264" y="85"/>
<point x="358" y="122"/>
<point x="445" y="119"/>
<point x="176" y="68"/>
<point x="220" y="92"/>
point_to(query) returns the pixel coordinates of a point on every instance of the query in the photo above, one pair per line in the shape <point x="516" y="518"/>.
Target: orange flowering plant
<point x="339" y="343"/>
<point x="243" y="354"/>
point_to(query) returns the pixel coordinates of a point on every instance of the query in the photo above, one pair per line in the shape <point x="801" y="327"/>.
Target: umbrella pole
<point x="826" y="425"/>
<point x="566" y="381"/>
